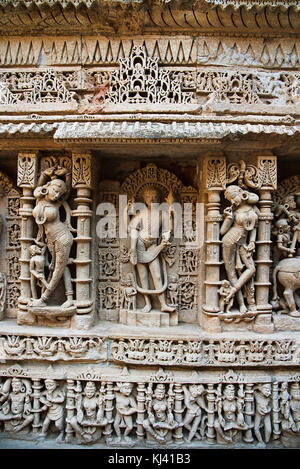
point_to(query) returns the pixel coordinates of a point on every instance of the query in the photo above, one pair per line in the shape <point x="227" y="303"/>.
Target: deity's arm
<point x="227" y="223"/>
<point x="133" y="231"/>
<point x="219" y="406"/>
<point x="43" y="400"/>
<point x="126" y="411"/>
<point x="58" y="397"/>
<point x="281" y="246"/>
<point x="187" y="400"/>
<point x="60" y="171"/>
<point x="201" y="403"/>
<point x="45" y="175"/>
<point x="68" y="216"/>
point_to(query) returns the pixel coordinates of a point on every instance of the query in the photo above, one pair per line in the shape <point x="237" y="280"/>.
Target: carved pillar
<point x="82" y="182"/>
<point x="27" y="178"/>
<point x="210" y="413"/>
<point x="141" y="399"/>
<point x="215" y="177"/>
<point x="178" y="410"/>
<point x="267" y="182"/>
<point x="70" y="408"/>
<point x="109" y="408"/>
<point x="249" y="412"/>
<point x="37" y="386"/>
<point x="275" y="412"/>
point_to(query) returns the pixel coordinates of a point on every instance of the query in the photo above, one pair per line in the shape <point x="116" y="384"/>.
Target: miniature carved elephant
<point x="287" y="272"/>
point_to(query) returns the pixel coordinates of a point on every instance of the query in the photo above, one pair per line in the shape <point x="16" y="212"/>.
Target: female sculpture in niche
<point x="144" y="231"/>
<point x="89" y="418"/>
<point x="238" y="244"/>
<point x="230" y="417"/>
<point x="160" y="420"/>
<point x="50" y="197"/>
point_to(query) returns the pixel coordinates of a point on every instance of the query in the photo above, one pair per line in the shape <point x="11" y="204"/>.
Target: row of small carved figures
<point x="156" y="412"/>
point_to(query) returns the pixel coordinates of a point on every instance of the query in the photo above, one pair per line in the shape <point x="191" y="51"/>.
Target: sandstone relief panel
<point x="149" y="239"/>
<point x="162" y="408"/>
<point x="148" y="229"/>
<point x="155" y="269"/>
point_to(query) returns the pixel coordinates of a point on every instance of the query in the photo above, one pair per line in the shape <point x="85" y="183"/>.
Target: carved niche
<point x="156" y="274"/>
<point x="286" y="251"/>
<point x="238" y="240"/>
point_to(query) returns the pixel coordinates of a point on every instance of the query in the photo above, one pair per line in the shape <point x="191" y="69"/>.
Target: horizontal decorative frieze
<point x="190" y="352"/>
<point x="274" y="53"/>
<point x="52" y="348"/>
<point x="249" y="352"/>
<point x="158" y="408"/>
<point x="159" y="132"/>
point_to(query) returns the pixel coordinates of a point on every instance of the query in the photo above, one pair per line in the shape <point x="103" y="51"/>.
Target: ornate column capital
<point x="267" y="172"/>
<point x="215" y="173"/>
<point x="81" y="169"/>
<point x="27" y="168"/>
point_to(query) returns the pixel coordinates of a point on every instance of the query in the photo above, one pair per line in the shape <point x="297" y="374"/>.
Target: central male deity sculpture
<point x="145" y="231"/>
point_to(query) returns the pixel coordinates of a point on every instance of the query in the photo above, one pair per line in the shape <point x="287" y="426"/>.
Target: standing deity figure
<point x="290" y="408"/>
<point x="90" y="413"/>
<point x="145" y="248"/>
<point x="263" y="409"/>
<point x="238" y="244"/>
<point x="160" y="421"/>
<point x="50" y="197"/>
<point x="230" y="417"/>
<point x="129" y="292"/>
<point x="16" y="409"/>
<point x="194" y="419"/>
<point x="53" y="403"/>
<point x="126" y="407"/>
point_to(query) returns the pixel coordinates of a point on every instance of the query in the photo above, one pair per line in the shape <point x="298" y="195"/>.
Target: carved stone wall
<point x="150" y="220"/>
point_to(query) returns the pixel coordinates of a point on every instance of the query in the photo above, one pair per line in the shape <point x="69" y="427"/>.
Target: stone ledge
<point x="182" y="345"/>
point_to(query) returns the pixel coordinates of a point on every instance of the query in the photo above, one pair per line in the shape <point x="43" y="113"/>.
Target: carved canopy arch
<point x="152" y="176"/>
